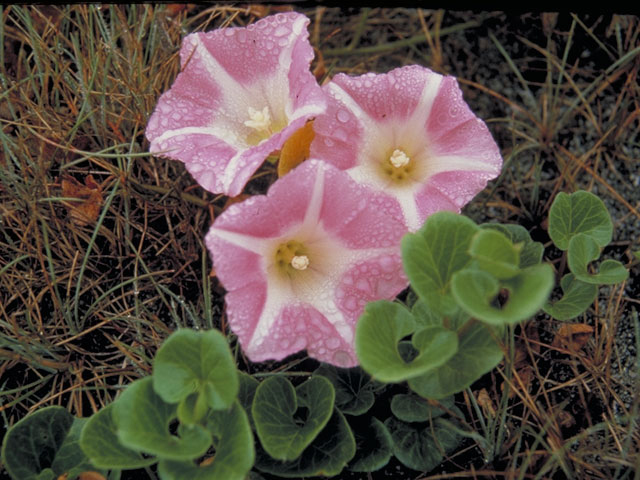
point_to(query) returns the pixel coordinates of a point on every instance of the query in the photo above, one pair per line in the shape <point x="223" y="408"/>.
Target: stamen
<point x="300" y="262"/>
<point x="260" y="120"/>
<point x="399" y="158"/>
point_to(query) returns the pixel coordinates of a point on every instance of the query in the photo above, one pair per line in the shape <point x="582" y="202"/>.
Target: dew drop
<point x="241" y="36"/>
<point x="328" y="142"/>
<point x="341" y="358"/>
<point x="343" y="116"/>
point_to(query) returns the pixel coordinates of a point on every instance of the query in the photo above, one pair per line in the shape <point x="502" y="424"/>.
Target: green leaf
<point x="142" y="419"/>
<point x="421" y="446"/>
<point x="495" y="253"/>
<point x="582" y="251"/>
<point x="576" y="298"/>
<point x="411" y="408"/>
<point x="246" y="393"/>
<point x="477" y="354"/>
<point x="380" y="328"/>
<point x="191" y="364"/>
<point x="100" y="443"/>
<point x="434" y="253"/>
<point x="580" y="212"/>
<point x="530" y="251"/>
<point x="287" y="419"/>
<point x="327" y="455"/>
<point x="43" y="445"/>
<point x="353" y="387"/>
<point x="234" y="455"/>
<point x="374" y="447"/>
<point x="476" y="291"/>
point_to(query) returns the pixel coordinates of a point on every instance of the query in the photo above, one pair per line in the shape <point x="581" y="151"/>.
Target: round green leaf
<point x="31" y="447"/>
<point x="582" y="251"/>
<point x="327" y="455"/>
<point x="142" y="419"/>
<point x="421" y="446"/>
<point x="576" y="298"/>
<point x="234" y="455"/>
<point x="434" y="253"/>
<point x="287" y="419"/>
<point x="476" y="290"/>
<point x="353" y="387"/>
<point x="382" y="325"/>
<point x="411" y="408"/>
<point x="100" y="443"/>
<point x="530" y="251"/>
<point x="191" y="362"/>
<point x="580" y="212"/>
<point x="477" y="354"/>
<point x="374" y="447"/>
<point x="495" y="253"/>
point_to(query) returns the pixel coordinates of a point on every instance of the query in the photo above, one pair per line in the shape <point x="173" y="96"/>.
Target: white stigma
<point x="399" y="158"/>
<point x="300" y="262"/>
<point x="259" y="119"/>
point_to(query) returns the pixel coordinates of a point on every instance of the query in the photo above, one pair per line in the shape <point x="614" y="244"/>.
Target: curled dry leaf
<point x="87" y="208"/>
<point x="573" y="336"/>
<point x="296" y="149"/>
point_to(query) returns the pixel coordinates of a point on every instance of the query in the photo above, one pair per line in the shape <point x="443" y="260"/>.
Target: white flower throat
<point x="259" y="120"/>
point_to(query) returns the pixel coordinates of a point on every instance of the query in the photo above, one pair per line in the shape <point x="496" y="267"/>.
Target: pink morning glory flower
<point x="300" y="263"/>
<point x="241" y="93"/>
<point x="408" y="133"/>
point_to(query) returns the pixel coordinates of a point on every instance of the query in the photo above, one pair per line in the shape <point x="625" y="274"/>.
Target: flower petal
<point x="410" y="114"/>
<point x="351" y="233"/>
<point x="205" y="119"/>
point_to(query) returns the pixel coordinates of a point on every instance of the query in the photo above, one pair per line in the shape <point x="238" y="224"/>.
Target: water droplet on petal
<point x="341" y="358"/>
<point x="343" y="116"/>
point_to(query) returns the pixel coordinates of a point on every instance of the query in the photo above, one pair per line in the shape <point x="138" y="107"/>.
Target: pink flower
<point x="300" y="263"/>
<point x="408" y="133"/>
<point x="241" y="93"/>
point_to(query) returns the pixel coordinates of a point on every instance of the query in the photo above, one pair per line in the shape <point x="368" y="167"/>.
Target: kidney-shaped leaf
<point x="582" y="251"/>
<point x="530" y="251"/>
<point x="374" y="447"/>
<point x="41" y="445"/>
<point x="287" y="419"/>
<point x="495" y="253"/>
<point x="194" y="367"/>
<point x="421" y="446"/>
<point x="354" y="388"/>
<point x="576" y="298"/>
<point x="234" y="453"/>
<point x="378" y="332"/>
<point x="327" y="455"/>
<point x="580" y="212"/>
<point x="142" y="419"/>
<point x="476" y="292"/>
<point x="477" y="354"/>
<point x="412" y="408"/>
<point x="100" y="443"/>
<point x="434" y="253"/>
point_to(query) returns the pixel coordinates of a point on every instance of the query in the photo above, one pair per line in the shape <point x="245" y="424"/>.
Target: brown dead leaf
<point x="87" y="208"/>
<point x="485" y="402"/>
<point x="572" y="336"/>
<point x="296" y="149"/>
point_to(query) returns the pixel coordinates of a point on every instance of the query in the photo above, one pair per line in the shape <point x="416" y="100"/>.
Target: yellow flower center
<point x="291" y="257"/>
<point x="397" y="166"/>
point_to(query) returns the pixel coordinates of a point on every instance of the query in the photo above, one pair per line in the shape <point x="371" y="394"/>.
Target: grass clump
<point x="101" y="251"/>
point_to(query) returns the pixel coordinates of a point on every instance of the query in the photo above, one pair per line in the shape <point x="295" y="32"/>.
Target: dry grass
<point x="89" y="288"/>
